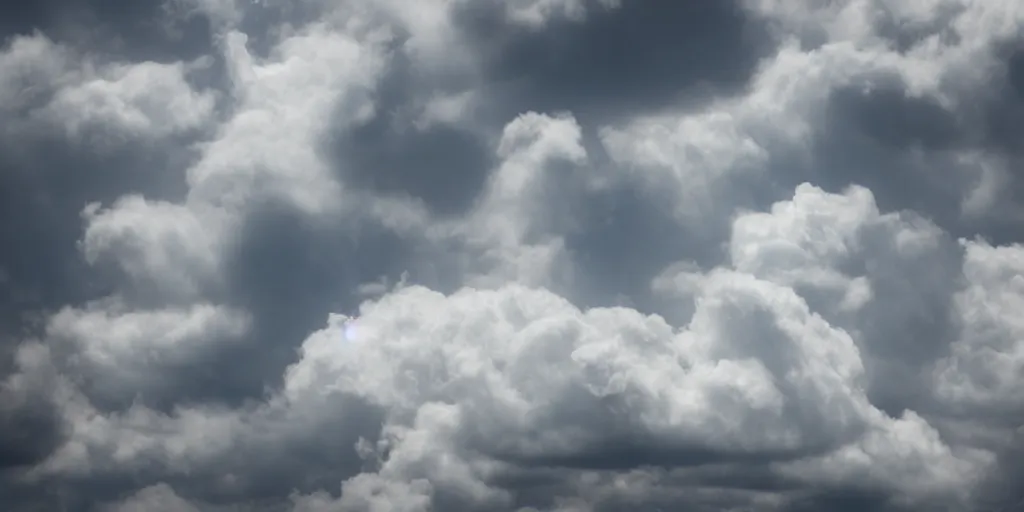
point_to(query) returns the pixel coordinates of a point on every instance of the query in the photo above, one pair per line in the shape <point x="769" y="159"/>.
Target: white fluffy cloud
<point x="839" y="341"/>
<point x="755" y="373"/>
<point x="98" y="103"/>
<point x="982" y="373"/>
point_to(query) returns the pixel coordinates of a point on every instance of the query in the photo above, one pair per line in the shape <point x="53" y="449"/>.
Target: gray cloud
<point x="45" y="181"/>
<point x="638" y="58"/>
<point x="553" y="255"/>
<point x="450" y="162"/>
<point x="135" y="30"/>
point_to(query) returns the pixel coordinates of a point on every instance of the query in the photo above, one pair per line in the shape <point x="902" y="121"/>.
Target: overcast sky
<point x="523" y="255"/>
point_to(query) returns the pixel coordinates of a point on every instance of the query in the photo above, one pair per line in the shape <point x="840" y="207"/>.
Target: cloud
<point x="157" y="497"/>
<point x="572" y="255"/>
<point x="986" y="354"/>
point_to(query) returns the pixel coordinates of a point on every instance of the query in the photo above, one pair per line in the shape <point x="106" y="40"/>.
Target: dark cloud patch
<point x="894" y="144"/>
<point x="275" y="272"/>
<point x="262" y="470"/>
<point x="1002" y="491"/>
<point x="841" y="500"/>
<point x="1015" y="73"/>
<point x="627" y="234"/>
<point x="623" y="455"/>
<point x="1003" y="107"/>
<point x="29" y="431"/>
<point x="625" y="242"/>
<point x="34" y="498"/>
<point x="138" y="30"/>
<point x="290" y="274"/>
<point x="906" y="149"/>
<point x="263" y="22"/>
<point x="161" y="31"/>
<point x="908" y="326"/>
<point x="644" y="55"/>
<point x="1004" y="132"/>
<point x="892" y="119"/>
<point x="444" y="166"/>
<point x="44" y="185"/>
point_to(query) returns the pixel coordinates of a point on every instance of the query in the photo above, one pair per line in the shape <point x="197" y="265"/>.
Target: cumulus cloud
<point x="98" y="103"/>
<point x="545" y="255"/>
<point x="157" y="497"/>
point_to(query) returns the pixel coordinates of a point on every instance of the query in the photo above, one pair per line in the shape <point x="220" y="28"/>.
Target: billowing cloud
<point x="546" y="255"/>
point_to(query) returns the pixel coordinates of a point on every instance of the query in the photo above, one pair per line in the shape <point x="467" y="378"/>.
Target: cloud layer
<point x="543" y="255"/>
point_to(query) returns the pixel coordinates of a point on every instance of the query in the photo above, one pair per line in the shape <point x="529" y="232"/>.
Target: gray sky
<point x="541" y="255"/>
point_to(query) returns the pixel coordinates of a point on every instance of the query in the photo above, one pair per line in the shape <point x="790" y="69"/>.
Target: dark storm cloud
<point x="30" y="432"/>
<point x="641" y="57"/>
<point x="627" y="241"/>
<point x="871" y="138"/>
<point x="444" y="166"/>
<point x="842" y="500"/>
<point x="1005" y="113"/>
<point x="1004" y="133"/>
<point x="136" y="30"/>
<point x="892" y="119"/>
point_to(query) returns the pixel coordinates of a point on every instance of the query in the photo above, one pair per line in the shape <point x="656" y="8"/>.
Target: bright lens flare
<point x="350" y="332"/>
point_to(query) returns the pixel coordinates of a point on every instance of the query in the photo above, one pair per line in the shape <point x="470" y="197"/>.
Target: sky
<point x="523" y="255"/>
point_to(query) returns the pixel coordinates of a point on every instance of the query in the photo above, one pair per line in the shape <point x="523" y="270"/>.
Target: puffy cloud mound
<point x="545" y="255"/>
